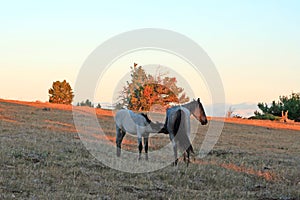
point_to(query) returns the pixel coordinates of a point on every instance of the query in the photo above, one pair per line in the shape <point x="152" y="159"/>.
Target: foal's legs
<point x="119" y="138"/>
<point x="146" y="146"/>
<point x="140" y="147"/>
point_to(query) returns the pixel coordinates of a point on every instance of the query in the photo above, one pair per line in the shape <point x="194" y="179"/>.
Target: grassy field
<point x="42" y="157"/>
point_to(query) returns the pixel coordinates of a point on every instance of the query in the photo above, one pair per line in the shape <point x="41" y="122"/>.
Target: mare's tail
<point x="180" y="131"/>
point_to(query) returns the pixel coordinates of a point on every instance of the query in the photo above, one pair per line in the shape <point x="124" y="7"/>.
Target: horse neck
<point x="190" y="106"/>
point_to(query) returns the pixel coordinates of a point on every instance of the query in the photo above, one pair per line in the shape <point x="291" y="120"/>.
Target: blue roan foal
<point x="137" y="124"/>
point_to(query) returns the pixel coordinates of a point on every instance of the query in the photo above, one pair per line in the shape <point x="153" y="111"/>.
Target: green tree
<point x="292" y="104"/>
<point x="86" y="103"/>
<point x="144" y="90"/>
<point x="289" y="103"/>
<point x="275" y="108"/>
<point x="61" y="93"/>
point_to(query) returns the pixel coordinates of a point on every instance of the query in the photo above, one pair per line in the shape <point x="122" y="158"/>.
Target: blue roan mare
<point x="137" y="124"/>
<point x="177" y="125"/>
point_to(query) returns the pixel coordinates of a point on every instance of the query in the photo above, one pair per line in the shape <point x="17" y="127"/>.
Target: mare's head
<point x="199" y="112"/>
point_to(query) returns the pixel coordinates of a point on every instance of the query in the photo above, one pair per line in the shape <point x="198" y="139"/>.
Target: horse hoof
<point x="118" y="152"/>
<point x="146" y="156"/>
<point x="175" y="163"/>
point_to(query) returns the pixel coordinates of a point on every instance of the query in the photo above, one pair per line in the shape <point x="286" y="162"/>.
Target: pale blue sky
<point x="255" y="45"/>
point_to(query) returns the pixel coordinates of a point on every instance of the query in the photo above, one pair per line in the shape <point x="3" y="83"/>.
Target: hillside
<point x="42" y="156"/>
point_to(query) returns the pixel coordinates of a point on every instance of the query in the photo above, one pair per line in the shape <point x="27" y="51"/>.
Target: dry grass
<point x="291" y="125"/>
<point x="41" y="157"/>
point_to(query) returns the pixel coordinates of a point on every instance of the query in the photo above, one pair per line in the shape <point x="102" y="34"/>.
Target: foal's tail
<point x="180" y="131"/>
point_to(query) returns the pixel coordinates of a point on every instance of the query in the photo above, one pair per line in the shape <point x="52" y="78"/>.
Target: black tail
<point x="177" y="122"/>
<point x="190" y="149"/>
<point x="180" y="132"/>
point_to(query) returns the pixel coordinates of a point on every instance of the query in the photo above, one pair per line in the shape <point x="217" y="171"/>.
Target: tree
<point x="118" y="106"/>
<point x="292" y="105"/>
<point x="144" y="90"/>
<point x="61" y="93"/>
<point x="86" y="103"/>
<point x="289" y="103"/>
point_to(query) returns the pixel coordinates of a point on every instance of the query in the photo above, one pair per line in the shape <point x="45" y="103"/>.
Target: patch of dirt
<point x="6" y="119"/>
<point x="267" y="175"/>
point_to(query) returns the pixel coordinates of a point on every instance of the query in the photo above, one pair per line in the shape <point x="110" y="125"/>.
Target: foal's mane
<point x="146" y="117"/>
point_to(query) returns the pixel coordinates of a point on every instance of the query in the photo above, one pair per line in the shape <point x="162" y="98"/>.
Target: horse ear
<point x="198" y="100"/>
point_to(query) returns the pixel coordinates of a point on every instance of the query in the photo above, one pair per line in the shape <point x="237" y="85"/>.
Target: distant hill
<point x="243" y="109"/>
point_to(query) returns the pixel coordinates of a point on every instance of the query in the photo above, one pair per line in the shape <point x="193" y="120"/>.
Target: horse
<point x="137" y="124"/>
<point x="177" y="125"/>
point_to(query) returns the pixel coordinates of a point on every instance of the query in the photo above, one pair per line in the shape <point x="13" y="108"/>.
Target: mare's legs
<point x="146" y="146"/>
<point x="186" y="157"/>
<point x="119" y="138"/>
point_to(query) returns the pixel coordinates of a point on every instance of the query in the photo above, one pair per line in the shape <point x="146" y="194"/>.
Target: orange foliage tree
<point x="61" y="93"/>
<point x="144" y="90"/>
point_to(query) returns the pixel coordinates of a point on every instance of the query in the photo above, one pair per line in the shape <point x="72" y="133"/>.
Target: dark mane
<point x="146" y="117"/>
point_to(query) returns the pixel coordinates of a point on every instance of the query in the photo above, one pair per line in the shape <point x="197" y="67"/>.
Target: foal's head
<point x="199" y="112"/>
<point x="146" y="117"/>
<point x="156" y="126"/>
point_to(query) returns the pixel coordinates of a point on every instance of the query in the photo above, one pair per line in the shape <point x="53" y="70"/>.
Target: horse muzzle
<point x="204" y="122"/>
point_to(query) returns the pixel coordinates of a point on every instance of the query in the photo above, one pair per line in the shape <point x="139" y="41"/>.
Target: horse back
<point x="129" y="121"/>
